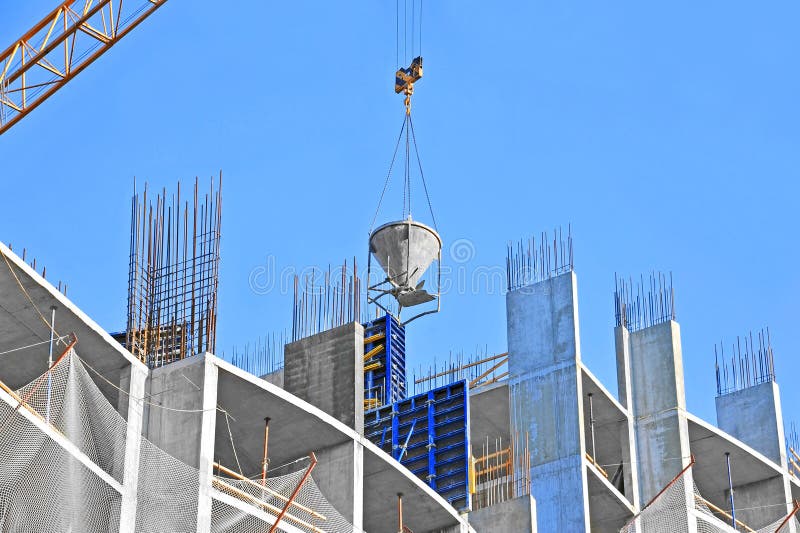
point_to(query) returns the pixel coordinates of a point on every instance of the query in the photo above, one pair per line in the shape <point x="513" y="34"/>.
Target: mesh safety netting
<point x="309" y="511"/>
<point x="681" y="507"/>
<point x="73" y="484"/>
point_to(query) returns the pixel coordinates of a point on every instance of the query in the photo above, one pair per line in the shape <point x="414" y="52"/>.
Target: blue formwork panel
<point x="387" y="383"/>
<point x="429" y="435"/>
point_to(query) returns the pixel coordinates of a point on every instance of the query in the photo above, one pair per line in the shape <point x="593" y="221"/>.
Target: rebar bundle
<point x="638" y="305"/>
<point x="751" y="363"/>
<point x="173" y="274"/>
<point x="532" y="261"/>
<point x="262" y="357"/>
<point x="501" y="473"/>
<point x="334" y="303"/>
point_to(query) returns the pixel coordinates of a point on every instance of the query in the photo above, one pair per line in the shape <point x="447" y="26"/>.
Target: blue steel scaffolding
<point x="429" y="435"/>
<point x="384" y="362"/>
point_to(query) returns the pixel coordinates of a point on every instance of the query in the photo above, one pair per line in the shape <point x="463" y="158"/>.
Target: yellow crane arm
<point x="60" y="46"/>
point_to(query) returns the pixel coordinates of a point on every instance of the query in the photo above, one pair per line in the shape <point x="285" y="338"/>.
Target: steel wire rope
<point x="388" y="175"/>
<point x="421" y="174"/>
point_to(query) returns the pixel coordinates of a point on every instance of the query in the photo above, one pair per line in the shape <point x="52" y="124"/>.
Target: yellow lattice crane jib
<point x="405" y="78"/>
<point x="59" y="47"/>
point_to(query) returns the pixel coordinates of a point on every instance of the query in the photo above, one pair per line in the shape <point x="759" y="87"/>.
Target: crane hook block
<point x="405" y="77"/>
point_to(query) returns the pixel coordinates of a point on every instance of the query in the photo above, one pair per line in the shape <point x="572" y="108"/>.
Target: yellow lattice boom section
<point x="60" y="46"/>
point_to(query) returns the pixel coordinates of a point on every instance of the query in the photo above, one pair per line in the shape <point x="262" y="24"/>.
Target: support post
<point x="591" y="427"/>
<point x="399" y="512"/>
<point x="50" y="359"/>
<point x="294" y="494"/>
<point x="789" y="518"/>
<point x="730" y="488"/>
<point x="265" y="460"/>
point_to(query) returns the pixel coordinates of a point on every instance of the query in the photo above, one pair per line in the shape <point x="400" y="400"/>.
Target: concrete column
<point x="133" y="441"/>
<point x="753" y="415"/>
<point x="628" y="436"/>
<point x="327" y="371"/>
<point x="339" y="474"/>
<point x="176" y="430"/>
<point x="658" y="404"/>
<point x="206" y="448"/>
<point x="546" y="392"/>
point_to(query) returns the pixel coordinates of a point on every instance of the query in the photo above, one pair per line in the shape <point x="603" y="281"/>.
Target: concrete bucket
<point x="405" y="249"/>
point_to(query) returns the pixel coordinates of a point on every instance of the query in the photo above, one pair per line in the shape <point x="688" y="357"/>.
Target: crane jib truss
<point x="60" y="46"/>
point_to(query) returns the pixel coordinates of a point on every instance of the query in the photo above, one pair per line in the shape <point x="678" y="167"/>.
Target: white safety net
<point x="46" y="486"/>
<point x="309" y="511"/>
<point x="62" y="456"/>
<point x="678" y="510"/>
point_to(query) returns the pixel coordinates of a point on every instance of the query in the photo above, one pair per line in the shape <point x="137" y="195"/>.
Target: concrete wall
<point x="753" y="415"/>
<point x="327" y="371"/>
<point x="276" y="378"/>
<point x="755" y="502"/>
<point x="517" y="515"/>
<point x="489" y="416"/>
<point x="544" y="357"/>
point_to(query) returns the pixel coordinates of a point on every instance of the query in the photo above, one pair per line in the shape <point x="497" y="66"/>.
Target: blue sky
<point x="665" y="134"/>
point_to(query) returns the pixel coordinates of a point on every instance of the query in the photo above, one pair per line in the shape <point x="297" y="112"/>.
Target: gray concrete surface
<point x="754" y="416"/>
<point x="609" y="510"/>
<point x="614" y="443"/>
<point x="755" y="502"/>
<point x="176" y="428"/>
<point x="546" y="392"/>
<point x="340" y="476"/>
<point x="517" y="515"/>
<point x="298" y="428"/>
<point x="276" y="378"/>
<point x="625" y="397"/>
<point x="759" y="477"/>
<point x="21" y="325"/>
<point x="658" y="406"/>
<point x="327" y="371"/>
<point x="489" y="415"/>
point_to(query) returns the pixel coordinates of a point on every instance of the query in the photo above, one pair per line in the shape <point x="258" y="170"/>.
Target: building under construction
<point x="98" y="437"/>
<point x="323" y="429"/>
